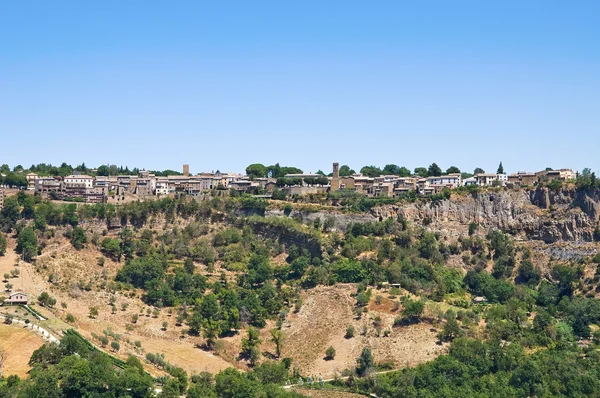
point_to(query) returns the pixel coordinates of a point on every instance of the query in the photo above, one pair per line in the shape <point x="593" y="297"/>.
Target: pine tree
<point x="500" y="169"/>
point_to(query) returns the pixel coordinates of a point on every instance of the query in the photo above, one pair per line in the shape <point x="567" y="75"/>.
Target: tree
<point x="78" y="238"/>
<point x="256" y="170"/>
<point x="27" y="243"/>
<point x="330" y="353"/>
<point x="371" y="171"/>
<point x="112" y="248"/>
<point x="413" y="309"/>
<point x="452" y="170"/>
<point x="434" y="170"/>
<point x="93" y="312"/>
<point x="28" y="207"/>
<point x="250" y="345"/>
<point x="277" y="338"/>
<point x="103" y="170"/>
<point x="11" y="210"/>
<point x="188" y="265"/>
<point x="45" y="300"/>
<point x="115" y="346"/>
<point x="365" y="362"/>
<point x="450" y="331"/>
<point x="2" y="244"/>
<point x="210" y="331"/>
<point x="346" y="171"/>
<point x="421" y="172"/>
<point x="392" y="169"/>
<point x="478" y="170"/>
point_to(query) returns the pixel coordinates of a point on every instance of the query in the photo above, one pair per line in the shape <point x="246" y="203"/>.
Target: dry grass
<point x="18" y="344"/>
<point x="322" y="322"/>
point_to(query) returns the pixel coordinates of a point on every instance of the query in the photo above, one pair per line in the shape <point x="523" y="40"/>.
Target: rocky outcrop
<point x="540" y="214"/>
<point x="340" y="220"/>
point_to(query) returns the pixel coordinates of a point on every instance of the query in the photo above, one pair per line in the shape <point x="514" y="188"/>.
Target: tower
<point x="186" y="170"/>
<point x="335" y="180"/>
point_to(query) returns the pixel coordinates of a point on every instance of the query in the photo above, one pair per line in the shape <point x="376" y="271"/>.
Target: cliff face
<point x="541" y="214"/>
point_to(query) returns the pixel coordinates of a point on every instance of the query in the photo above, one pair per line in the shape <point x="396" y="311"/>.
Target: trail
<point x="36" y="328"/>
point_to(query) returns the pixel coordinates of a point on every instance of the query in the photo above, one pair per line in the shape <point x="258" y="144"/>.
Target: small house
<point x="17" y="298"/>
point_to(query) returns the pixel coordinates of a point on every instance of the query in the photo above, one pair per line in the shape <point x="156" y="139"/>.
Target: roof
<point x="19" y="293"/>
<point x="80" y="176"/>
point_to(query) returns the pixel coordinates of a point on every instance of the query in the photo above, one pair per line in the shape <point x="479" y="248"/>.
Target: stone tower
<point x="335" y="180"/>
<point x="186" y="170"/>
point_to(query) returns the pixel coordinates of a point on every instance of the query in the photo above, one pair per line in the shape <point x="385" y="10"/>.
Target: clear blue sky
<point x="222" y="84"/>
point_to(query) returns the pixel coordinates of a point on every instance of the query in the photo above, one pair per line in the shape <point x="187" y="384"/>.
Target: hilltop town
<point x="95" y="188"/>
<point x="280" y="283"/>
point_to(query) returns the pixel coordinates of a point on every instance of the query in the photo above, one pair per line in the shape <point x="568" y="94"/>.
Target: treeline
<point x="71" y="369"/>
<point x="16" y="175"/>
<point x="493" y="369"/>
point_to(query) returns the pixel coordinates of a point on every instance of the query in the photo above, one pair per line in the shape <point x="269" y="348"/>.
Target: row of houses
<point x="392" y="185"/>
<point x="98" y="189"/>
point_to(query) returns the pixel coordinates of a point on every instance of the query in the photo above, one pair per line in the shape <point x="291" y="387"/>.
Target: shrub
<point x="330" y="353"/>
<point x="115" y="346"/>
<point x="349" y="332"/>
<point x="70" y="318"/>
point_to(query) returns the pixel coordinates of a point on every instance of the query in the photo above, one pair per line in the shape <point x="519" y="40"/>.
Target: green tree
<point x="365" y="363"/>
<point x="256" y="170"/>
<point x="103" y="170"/>
<point x="413" y="309"/>
<point x="434" y="170"/>
<point x="250" y="346"/>
<point x="210" y="330"/>
<point x="2" y="244"/>
<point x="392" y="169"/>
<point x="346" y="171"/>
<point x="500" y="169"/>
<point x="478" y="170"/>
<point x="78" y="238"/>
<point x="11" y="210"/>
<point x="28" y="207"/>
<point x="112" y="248"/>
<point x="450" y="331"/>
<point x="277" y="338"/>
<point x="371" y="171"/>
<point x="27" y="243"/>
<point x="452" y="170"/>
<point x="421" y="172"/>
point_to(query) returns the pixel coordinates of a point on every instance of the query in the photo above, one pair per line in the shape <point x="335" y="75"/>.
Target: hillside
<point x="237" y="282"/>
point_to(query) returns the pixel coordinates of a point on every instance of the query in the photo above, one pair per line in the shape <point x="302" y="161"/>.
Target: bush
<point x="70" y="318"/>
<point x="349" y="332"/>
<point x="115" y="346"/>
<point x="330" y="353"/>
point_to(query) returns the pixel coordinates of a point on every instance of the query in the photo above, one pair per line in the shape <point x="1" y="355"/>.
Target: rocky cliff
<point x="541" y="214"/>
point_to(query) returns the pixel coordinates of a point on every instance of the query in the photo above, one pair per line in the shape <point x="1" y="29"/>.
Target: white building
<point x="79" y="180"/>
<point x="449" y="180"/>
<point x="162" y="186"/>
<point x="486" y="180"/>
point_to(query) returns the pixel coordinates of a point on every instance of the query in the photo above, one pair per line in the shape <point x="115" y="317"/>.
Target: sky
<point x="223" y="84"/>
